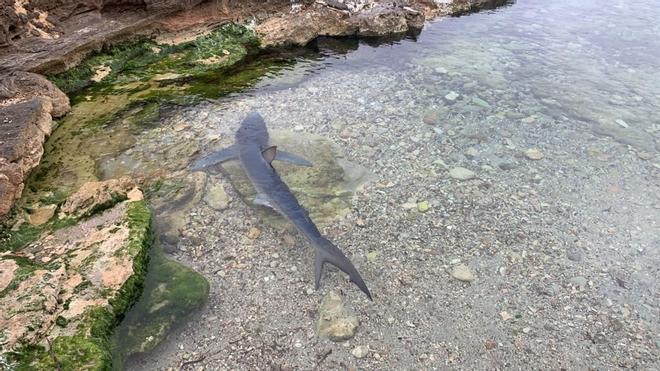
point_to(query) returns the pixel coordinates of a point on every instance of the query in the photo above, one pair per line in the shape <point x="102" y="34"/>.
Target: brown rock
<point x="93" y="195"/>
<point x="384" y="19"/>
<point x="254" y="233"/>
<point x="24" y="127"/>
<point x="300" y="28"/>
<point x="41" y="215"/>
<point x="19" y="86"/>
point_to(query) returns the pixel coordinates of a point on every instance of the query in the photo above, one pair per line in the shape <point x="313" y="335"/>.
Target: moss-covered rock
<point x="172" y="291"/>
<point x="63" y="293"/>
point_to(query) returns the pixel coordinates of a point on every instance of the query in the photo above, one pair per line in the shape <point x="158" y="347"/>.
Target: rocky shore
<point x="72" y="266"/>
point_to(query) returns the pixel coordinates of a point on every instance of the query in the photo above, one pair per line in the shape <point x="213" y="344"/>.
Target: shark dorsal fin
<point x="269" y="153"/>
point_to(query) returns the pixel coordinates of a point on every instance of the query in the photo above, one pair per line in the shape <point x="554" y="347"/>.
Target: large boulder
<point x="27" y="104"/>
<point x="62" y="295"/>
<point x="19" y="86"/>
<point x="24" y="127"/>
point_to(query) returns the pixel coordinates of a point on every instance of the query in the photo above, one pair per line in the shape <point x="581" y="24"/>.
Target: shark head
<point x="252" y="130"/>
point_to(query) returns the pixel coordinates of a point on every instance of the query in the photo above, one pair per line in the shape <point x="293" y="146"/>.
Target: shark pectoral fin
<point x="269" y="153"/>
<point x="292" y="159"/>
<point x="262" y="199"/>
<point x="214" y="158"/>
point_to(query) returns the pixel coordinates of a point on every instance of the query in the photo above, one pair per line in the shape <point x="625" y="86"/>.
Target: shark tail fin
<point x="327" y="252"/>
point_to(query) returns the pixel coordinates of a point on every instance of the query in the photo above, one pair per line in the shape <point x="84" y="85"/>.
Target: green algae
<point x="13" y="240"/>
<point x="139" y="61"/>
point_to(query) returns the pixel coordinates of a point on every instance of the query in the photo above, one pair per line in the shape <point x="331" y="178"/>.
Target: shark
<point x="253" y="150"/>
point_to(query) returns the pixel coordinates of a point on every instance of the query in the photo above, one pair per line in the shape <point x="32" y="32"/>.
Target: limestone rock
<point x="334" y="322"/>
<point x="41" y="215"/>
<point x="19" y="86"/>
<point x="461" y="173"/>
<point x="94" y="195"/>
<point x="69" y="281"/>
<point x="300" y="28"/>
<point x="462" y="273"/>
<point x="24" y="127"/>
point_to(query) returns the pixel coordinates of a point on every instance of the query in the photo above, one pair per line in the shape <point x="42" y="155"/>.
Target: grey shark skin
<point x="254" y="153"/>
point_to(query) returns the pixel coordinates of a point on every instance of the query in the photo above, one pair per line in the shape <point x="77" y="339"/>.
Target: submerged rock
<point x="64" y="293"/>
<point x="462" y="273"/>
<point x="216" y="196"/>
<point x="171" y="293"/>
<point x="461" y="173"/>
<point x="334" y="322"/>
<point x="534" y="154"/>
<point x="325" y="189"/>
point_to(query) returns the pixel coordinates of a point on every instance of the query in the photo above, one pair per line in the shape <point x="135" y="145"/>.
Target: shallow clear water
<point x="552" y="107"/>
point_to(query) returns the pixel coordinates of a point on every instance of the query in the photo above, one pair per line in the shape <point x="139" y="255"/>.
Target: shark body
<point x="255" y="154"/>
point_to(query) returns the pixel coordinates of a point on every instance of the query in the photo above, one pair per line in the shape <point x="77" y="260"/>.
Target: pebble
<point x="216" y="197"/>
<point x="505" y="315"/>
<point x="462" y="273"/>
<point x="254" y="233"/>
<point x="579" y="281"/>
<point x="622" y="123"/>
<point x="507" y="165"/>
<point x="360" y="351"/>
<point x="452" y="96"/>
<point x="574" y="254"/>
<point x="645" y="155"/>
<point x="461" y="173"/>
<point x="423" y="206"/>
<point x="528" y="120"/>
<point x="480" y="102"/>
<point x="471" y="153"/>
<point x="534" y="154"/>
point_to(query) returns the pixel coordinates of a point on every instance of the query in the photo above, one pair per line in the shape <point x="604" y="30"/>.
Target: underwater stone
<point x="461" y="173"/>
<point x="334" y="322"/>
<point x="216" y="196"/>
<point x="172" y="292"/>
<point x="534" y="154"/>
<point x="452" y="96"/>
<point x="462" y="273"/>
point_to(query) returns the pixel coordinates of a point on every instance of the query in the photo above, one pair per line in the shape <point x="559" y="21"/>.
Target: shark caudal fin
<point x="327" y="252"/>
